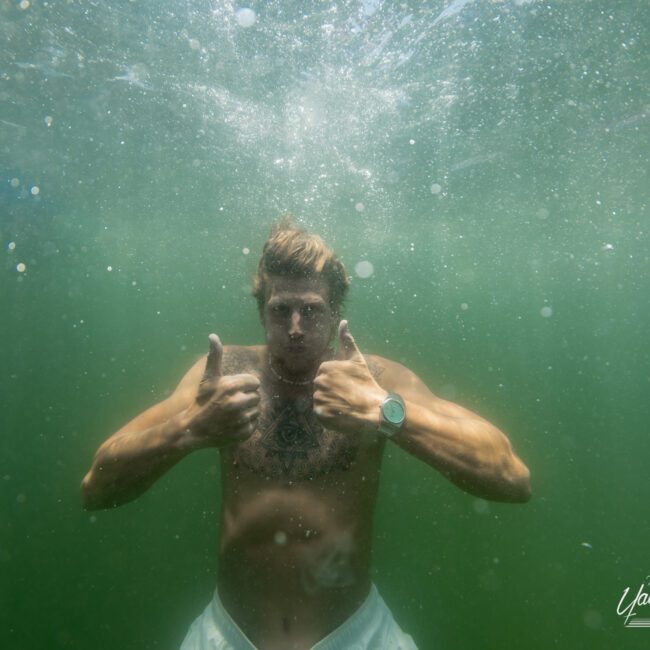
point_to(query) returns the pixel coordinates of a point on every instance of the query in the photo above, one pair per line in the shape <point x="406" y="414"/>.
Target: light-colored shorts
<point x="371" y="627"/>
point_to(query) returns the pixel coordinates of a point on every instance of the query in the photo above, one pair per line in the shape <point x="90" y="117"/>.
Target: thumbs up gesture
<point x="226" y="407"/>
<point x="346" y="396"/>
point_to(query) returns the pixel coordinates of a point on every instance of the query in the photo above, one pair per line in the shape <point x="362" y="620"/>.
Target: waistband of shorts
<point x="231" y="632"/>
<point x="355" y="628"/>
<point x="341" y="638"/>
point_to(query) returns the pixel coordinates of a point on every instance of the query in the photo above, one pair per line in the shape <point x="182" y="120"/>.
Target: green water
<point x="492" y="165"/>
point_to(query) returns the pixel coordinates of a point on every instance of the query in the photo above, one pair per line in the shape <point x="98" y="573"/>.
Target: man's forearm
<point x="128" y="463"/>
<point x="470" y="452"/>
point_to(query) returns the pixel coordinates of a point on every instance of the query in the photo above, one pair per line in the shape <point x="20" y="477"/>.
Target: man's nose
<point x="295" y="327"/>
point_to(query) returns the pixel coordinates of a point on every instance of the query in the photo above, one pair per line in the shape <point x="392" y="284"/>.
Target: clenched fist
<point x="346" y="396"/>
<point x="226" y="407"/>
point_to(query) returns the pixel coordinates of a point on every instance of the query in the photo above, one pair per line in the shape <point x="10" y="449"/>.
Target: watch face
<point x="393" y="411"/>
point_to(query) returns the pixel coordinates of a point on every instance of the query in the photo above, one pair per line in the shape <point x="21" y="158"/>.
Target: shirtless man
<point x="301" y="433"/>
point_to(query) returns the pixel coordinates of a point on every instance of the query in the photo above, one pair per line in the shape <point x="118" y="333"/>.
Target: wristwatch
<point x="392" y="412"/>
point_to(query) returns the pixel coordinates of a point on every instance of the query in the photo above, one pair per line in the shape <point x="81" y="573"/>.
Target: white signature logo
<point x="628" y="610"/>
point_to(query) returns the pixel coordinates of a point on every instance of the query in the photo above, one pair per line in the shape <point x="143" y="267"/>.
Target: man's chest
<point x="291" y="444"/>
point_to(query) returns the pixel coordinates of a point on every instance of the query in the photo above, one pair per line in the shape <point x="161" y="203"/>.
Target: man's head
<point x="292" y="252"/>
<point x="300" y="287"/>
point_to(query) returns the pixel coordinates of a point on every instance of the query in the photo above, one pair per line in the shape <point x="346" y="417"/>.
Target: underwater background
<point x="482" y="169"/>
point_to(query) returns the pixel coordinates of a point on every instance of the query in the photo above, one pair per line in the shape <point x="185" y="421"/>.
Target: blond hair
<point x="292" y="251"/>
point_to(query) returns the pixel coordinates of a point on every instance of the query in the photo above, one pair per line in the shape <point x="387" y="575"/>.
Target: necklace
<point x="287" y="381"/>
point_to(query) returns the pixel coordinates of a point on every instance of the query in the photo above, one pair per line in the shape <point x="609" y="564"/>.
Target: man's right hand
<point x="226" y="407"/>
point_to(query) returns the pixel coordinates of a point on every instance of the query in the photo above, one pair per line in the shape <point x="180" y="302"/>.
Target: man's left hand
<point x="346" y="396"/>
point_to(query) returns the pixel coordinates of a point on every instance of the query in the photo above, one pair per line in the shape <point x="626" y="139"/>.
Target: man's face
<point x="298" y="321"/>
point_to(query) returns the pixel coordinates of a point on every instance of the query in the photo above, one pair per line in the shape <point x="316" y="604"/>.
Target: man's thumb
<point x="215" y="355"/>
<point x="348" y="348"/>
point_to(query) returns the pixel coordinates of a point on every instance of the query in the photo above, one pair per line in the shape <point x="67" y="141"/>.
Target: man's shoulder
<point x="236" y="359"/>
<point x="242" y="358"/>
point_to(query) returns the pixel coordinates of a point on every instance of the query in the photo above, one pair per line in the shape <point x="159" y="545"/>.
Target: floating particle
<point x="109" y="268"/>
<point x="245" y="17"/>
<point x="464" y="306"/>
<point x="49" y="120"/>
<point x="11" y="246"/>
<point x="14" y="182"/>
<point x="586" y="545"/>
<point x="35" y="190"/>
<point x="592" y="619"/>
<point x="245" y="250"/>
<point x="359" y="207"/>
<point x="435" y="188"/>
<point x="546" y="312"/>
<point x="607" y="248"/>
<point x="20" y="267"/>
<point x="280" y="538"/>
<point x="194" y="44"/>
<point x="481" y="507"/>
<point x="364" y="269"/>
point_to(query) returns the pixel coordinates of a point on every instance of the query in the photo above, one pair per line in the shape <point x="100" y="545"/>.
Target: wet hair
<point x="293" y="252"/>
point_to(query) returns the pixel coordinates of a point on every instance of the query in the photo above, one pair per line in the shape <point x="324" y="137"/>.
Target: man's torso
<point x="296" y="521"/>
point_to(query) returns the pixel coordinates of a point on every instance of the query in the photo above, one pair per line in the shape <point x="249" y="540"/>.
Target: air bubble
<point x="245" y="17"/>
<point x="245" y="250"/>
<point x="35" y="190"/>
<point x="14" y="182"/>
<point x="359" y="207"/>
<point x="280" y="538"/>
<point x="436" y="188"/>
<point x="546" y="312"/>
<point x="481" y="507"/>
<point x="464" y="306"/>
<point x="20" y="267"/>
<point x="364" y="269"/>
<point x="11" y="246"/>
<point x="49" y="120"/>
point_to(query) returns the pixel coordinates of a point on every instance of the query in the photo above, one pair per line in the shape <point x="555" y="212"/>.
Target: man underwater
<point x="301" y="433"/>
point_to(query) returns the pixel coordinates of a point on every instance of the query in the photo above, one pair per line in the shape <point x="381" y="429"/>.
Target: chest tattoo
<point x="291" y="443"/>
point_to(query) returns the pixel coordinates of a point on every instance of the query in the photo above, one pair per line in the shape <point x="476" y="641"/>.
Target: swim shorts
<point x="371" y="627"/>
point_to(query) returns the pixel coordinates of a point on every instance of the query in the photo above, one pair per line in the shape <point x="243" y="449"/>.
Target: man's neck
<point x="286" y="383"/>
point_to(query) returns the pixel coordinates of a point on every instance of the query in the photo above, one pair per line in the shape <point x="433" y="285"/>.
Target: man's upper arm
<point x="395" y="377"/>
<point x="181" y="398"/>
